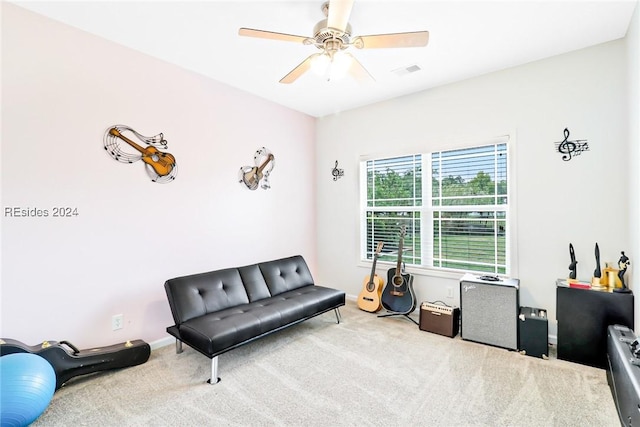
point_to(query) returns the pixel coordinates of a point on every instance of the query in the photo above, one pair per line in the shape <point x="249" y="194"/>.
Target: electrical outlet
<point x="117" y="322"/>
<point x="450" y="292"/>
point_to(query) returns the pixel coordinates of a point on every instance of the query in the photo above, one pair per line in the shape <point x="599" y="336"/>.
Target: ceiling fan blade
<point x="339" y="11"/>
<point x="302" y="68"/>
<point x="378" y="41"/>
<point x="261" y="34"/>
<point x="358" y="71"/>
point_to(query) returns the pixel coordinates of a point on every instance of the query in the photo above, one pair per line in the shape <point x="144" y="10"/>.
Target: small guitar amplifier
<point x="533" y="329"/>
<point x="439" y="319"/>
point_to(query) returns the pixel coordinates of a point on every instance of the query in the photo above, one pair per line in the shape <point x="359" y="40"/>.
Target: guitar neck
<point x="373" y="269"/>
<point x="115" y="132"/>
<point x="375" y="260"/>
<point x="400" y="249"/>
<point x="264" y="164"/>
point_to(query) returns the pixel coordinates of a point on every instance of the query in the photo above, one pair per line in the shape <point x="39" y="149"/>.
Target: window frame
<point x="426" y="209"/>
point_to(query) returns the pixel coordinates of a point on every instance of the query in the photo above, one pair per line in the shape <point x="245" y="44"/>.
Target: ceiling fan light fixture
<point x="331" y="36"/>
<point x="332" y="66"/>
<point x="339" y="65"/>
<point x="320" y="64"/>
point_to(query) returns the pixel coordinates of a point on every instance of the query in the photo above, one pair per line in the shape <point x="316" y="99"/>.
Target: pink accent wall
<point x="64" y="278"/>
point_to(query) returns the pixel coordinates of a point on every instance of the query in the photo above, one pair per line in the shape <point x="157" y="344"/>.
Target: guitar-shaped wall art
<point x="160" y="166"/>
<point x="369" y="298"/>
<point x="251" y="176"/>
<point x="398" y="296"/>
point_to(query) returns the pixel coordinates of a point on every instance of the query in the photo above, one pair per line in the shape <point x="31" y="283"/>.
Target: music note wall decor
<point x="160" y="166"/>
<point x="570" y="149"/>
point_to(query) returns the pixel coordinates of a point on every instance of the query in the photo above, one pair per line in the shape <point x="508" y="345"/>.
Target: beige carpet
<point x="366" y="371"/>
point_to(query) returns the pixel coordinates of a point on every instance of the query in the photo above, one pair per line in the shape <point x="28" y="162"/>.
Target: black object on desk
<point x="583" y="318"/>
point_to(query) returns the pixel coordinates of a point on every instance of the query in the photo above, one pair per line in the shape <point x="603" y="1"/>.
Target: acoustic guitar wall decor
<point x="252" y="176"/>
<point x="160" y="166"/>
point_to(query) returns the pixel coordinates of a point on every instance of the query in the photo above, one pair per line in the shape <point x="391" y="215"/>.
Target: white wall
<point x="580" y="201"/>
<point x="633" y="78"/>
<point x="63" y="278"/>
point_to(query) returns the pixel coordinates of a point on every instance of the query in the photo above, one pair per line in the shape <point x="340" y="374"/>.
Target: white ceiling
<point x="467" y="38"/>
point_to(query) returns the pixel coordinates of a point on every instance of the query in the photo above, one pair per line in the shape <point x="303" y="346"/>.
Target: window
<point x="455" y="217"/>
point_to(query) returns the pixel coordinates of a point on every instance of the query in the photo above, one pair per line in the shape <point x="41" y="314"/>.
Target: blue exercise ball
<point x="27" y="384"/>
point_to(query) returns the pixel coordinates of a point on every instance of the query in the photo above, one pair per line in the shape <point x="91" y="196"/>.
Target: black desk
<point x="583" y="318"/>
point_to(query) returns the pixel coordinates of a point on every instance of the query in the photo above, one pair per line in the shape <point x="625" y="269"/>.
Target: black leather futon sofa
<point x="217" y="311"/>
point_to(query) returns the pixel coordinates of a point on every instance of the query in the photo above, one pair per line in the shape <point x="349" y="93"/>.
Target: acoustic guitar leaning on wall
<point x="370" y="296"/>
<point x="398" y="296"/>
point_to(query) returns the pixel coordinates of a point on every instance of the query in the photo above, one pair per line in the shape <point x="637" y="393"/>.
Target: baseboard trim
<point x="162" y="342"/>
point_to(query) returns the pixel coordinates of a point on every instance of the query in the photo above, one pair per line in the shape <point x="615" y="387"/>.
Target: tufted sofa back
<point x="198" y="294"/>
<point x="286" y="274"/>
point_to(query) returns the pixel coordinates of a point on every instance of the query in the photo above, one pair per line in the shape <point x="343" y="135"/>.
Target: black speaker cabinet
<point x="489" y="310"/>
<point x="439" y="319"/>
<point x="533" y="328"/>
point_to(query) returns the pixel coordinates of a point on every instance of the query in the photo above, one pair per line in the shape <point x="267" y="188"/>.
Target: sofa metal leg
<point x="214" y="371"/>
<point x="337" y="316"/>
<point x="178" y="346"/>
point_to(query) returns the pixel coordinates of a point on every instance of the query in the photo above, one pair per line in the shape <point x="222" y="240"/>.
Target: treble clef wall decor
<point x="570" y="149"/>
<point x="337" y="173"/>
<point x="160" y="166"/>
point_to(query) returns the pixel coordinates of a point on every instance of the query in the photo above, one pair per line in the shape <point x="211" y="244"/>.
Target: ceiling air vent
<point x="406" y="70"/>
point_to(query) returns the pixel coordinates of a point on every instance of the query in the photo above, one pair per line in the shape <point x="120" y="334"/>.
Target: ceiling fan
<point x="332" y="36"/>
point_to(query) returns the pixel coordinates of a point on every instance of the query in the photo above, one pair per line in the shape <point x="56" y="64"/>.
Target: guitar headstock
<point x="379" y="248"/>
<point x="403" y="230"/>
